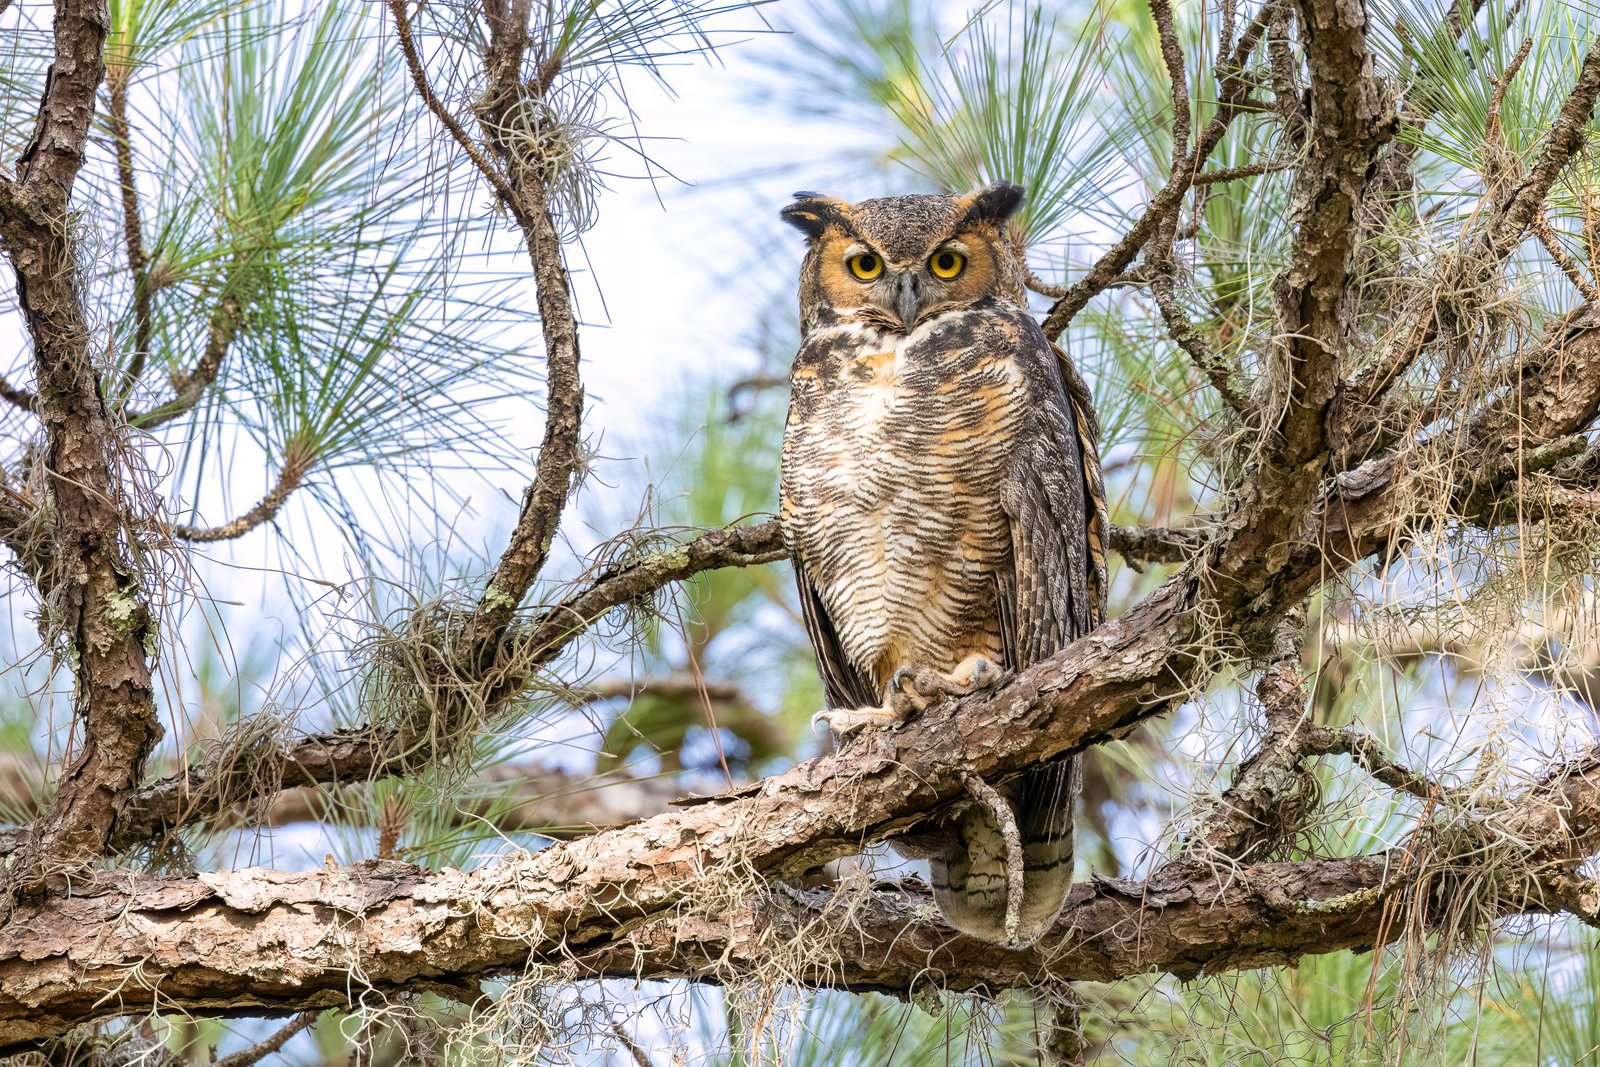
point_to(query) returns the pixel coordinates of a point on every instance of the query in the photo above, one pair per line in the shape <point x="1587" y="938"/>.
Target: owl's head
<point x="901" y="260"/>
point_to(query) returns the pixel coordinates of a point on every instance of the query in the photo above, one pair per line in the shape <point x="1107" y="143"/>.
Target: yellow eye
<point x="866" y="266"/>
<point x="947" y="264"/>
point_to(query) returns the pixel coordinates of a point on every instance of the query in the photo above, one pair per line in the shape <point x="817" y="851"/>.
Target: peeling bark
<point x="92" y="596"/>
<point x="272" y="941"/>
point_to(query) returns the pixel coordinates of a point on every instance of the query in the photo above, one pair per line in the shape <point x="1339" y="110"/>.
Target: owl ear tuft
<point x="811" y="213"/>
<point x="993" y="203"/>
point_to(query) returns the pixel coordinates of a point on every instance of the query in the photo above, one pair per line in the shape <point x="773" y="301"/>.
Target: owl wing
<point x="1054" y="592"/>
<point x="1055" y="503"/>
<point x="843" y="686"/>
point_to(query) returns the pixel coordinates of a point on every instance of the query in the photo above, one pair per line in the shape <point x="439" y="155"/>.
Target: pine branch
<point x="297" y="464"/>
<point x="98" y="605"/>
<point x="622" y="904"/>
<point x="1232" y="94"/>
<point x="132" y="224"/>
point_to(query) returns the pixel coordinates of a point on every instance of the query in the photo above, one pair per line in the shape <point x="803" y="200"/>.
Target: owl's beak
<point x="906" y="302"/>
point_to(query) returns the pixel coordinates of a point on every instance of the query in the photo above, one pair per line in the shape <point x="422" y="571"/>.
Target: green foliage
<point x="732" y="626"/>
<point x="865" y="1030"/>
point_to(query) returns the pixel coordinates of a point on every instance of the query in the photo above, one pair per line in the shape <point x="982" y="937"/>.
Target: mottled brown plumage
<point x="941" y="500"/>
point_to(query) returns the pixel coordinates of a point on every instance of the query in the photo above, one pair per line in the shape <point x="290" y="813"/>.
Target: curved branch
<point x="295" y="467"/>
<point x="132" y="224"/>
<point x="189" y="386"/>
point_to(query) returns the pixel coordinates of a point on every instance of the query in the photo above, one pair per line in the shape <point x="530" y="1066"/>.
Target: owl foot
<point x="913" y="690"/>
<point x="842" y="722"/>
<point x="917" y="688"/>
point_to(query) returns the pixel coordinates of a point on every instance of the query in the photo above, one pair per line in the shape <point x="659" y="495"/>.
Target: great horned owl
<point x="941" y="501"/>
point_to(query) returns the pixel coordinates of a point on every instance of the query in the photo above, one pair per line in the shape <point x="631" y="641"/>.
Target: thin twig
<point x="1040" y="286"/>
<point x="132" y="225"/>
<point x="634" y="1051"/>
<point x="21" y="398"/>
<point x="1159" y="252"/>
<point x="262" y="1049"/>
<point x="1369" y="755"/>
<point x="1191" y="340"/>
<point x="419" y="78"/>
<point x="1547" y="236"/>
<point x="1109" y="266"/>
<point x="189" y="386"/>
<point x="1246" y="170"/>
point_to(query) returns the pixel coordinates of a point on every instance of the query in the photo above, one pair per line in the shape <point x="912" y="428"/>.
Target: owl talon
<point x="842" y="722"/>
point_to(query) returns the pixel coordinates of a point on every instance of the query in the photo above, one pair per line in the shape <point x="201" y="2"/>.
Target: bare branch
<point x="1246" y="170"/>
<point x="296" y="464"/>
<point x="132" y="224"/>
<point x="98" y="606"/>
<point x="192" y="940"/>
<point x="419" y="79"/>
<point x="1155" y="544"/>
<point x="189" y="386"/>
<point x="15" y="396"/>
<point x="262" y="1049"/>
<point x="1191" y="340"/>
<point x="1272" y="791"/>
<point x="1547" y="236"/>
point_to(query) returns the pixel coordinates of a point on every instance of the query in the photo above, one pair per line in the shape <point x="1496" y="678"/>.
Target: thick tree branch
<point x="277" y="941"/>
<point x="94" y="599"/>
<point x="1139" y="545"/>
<point x="1352" y="117"/>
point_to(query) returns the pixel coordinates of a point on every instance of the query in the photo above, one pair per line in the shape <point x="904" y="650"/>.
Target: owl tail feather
<point x="1005" y="880"/>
